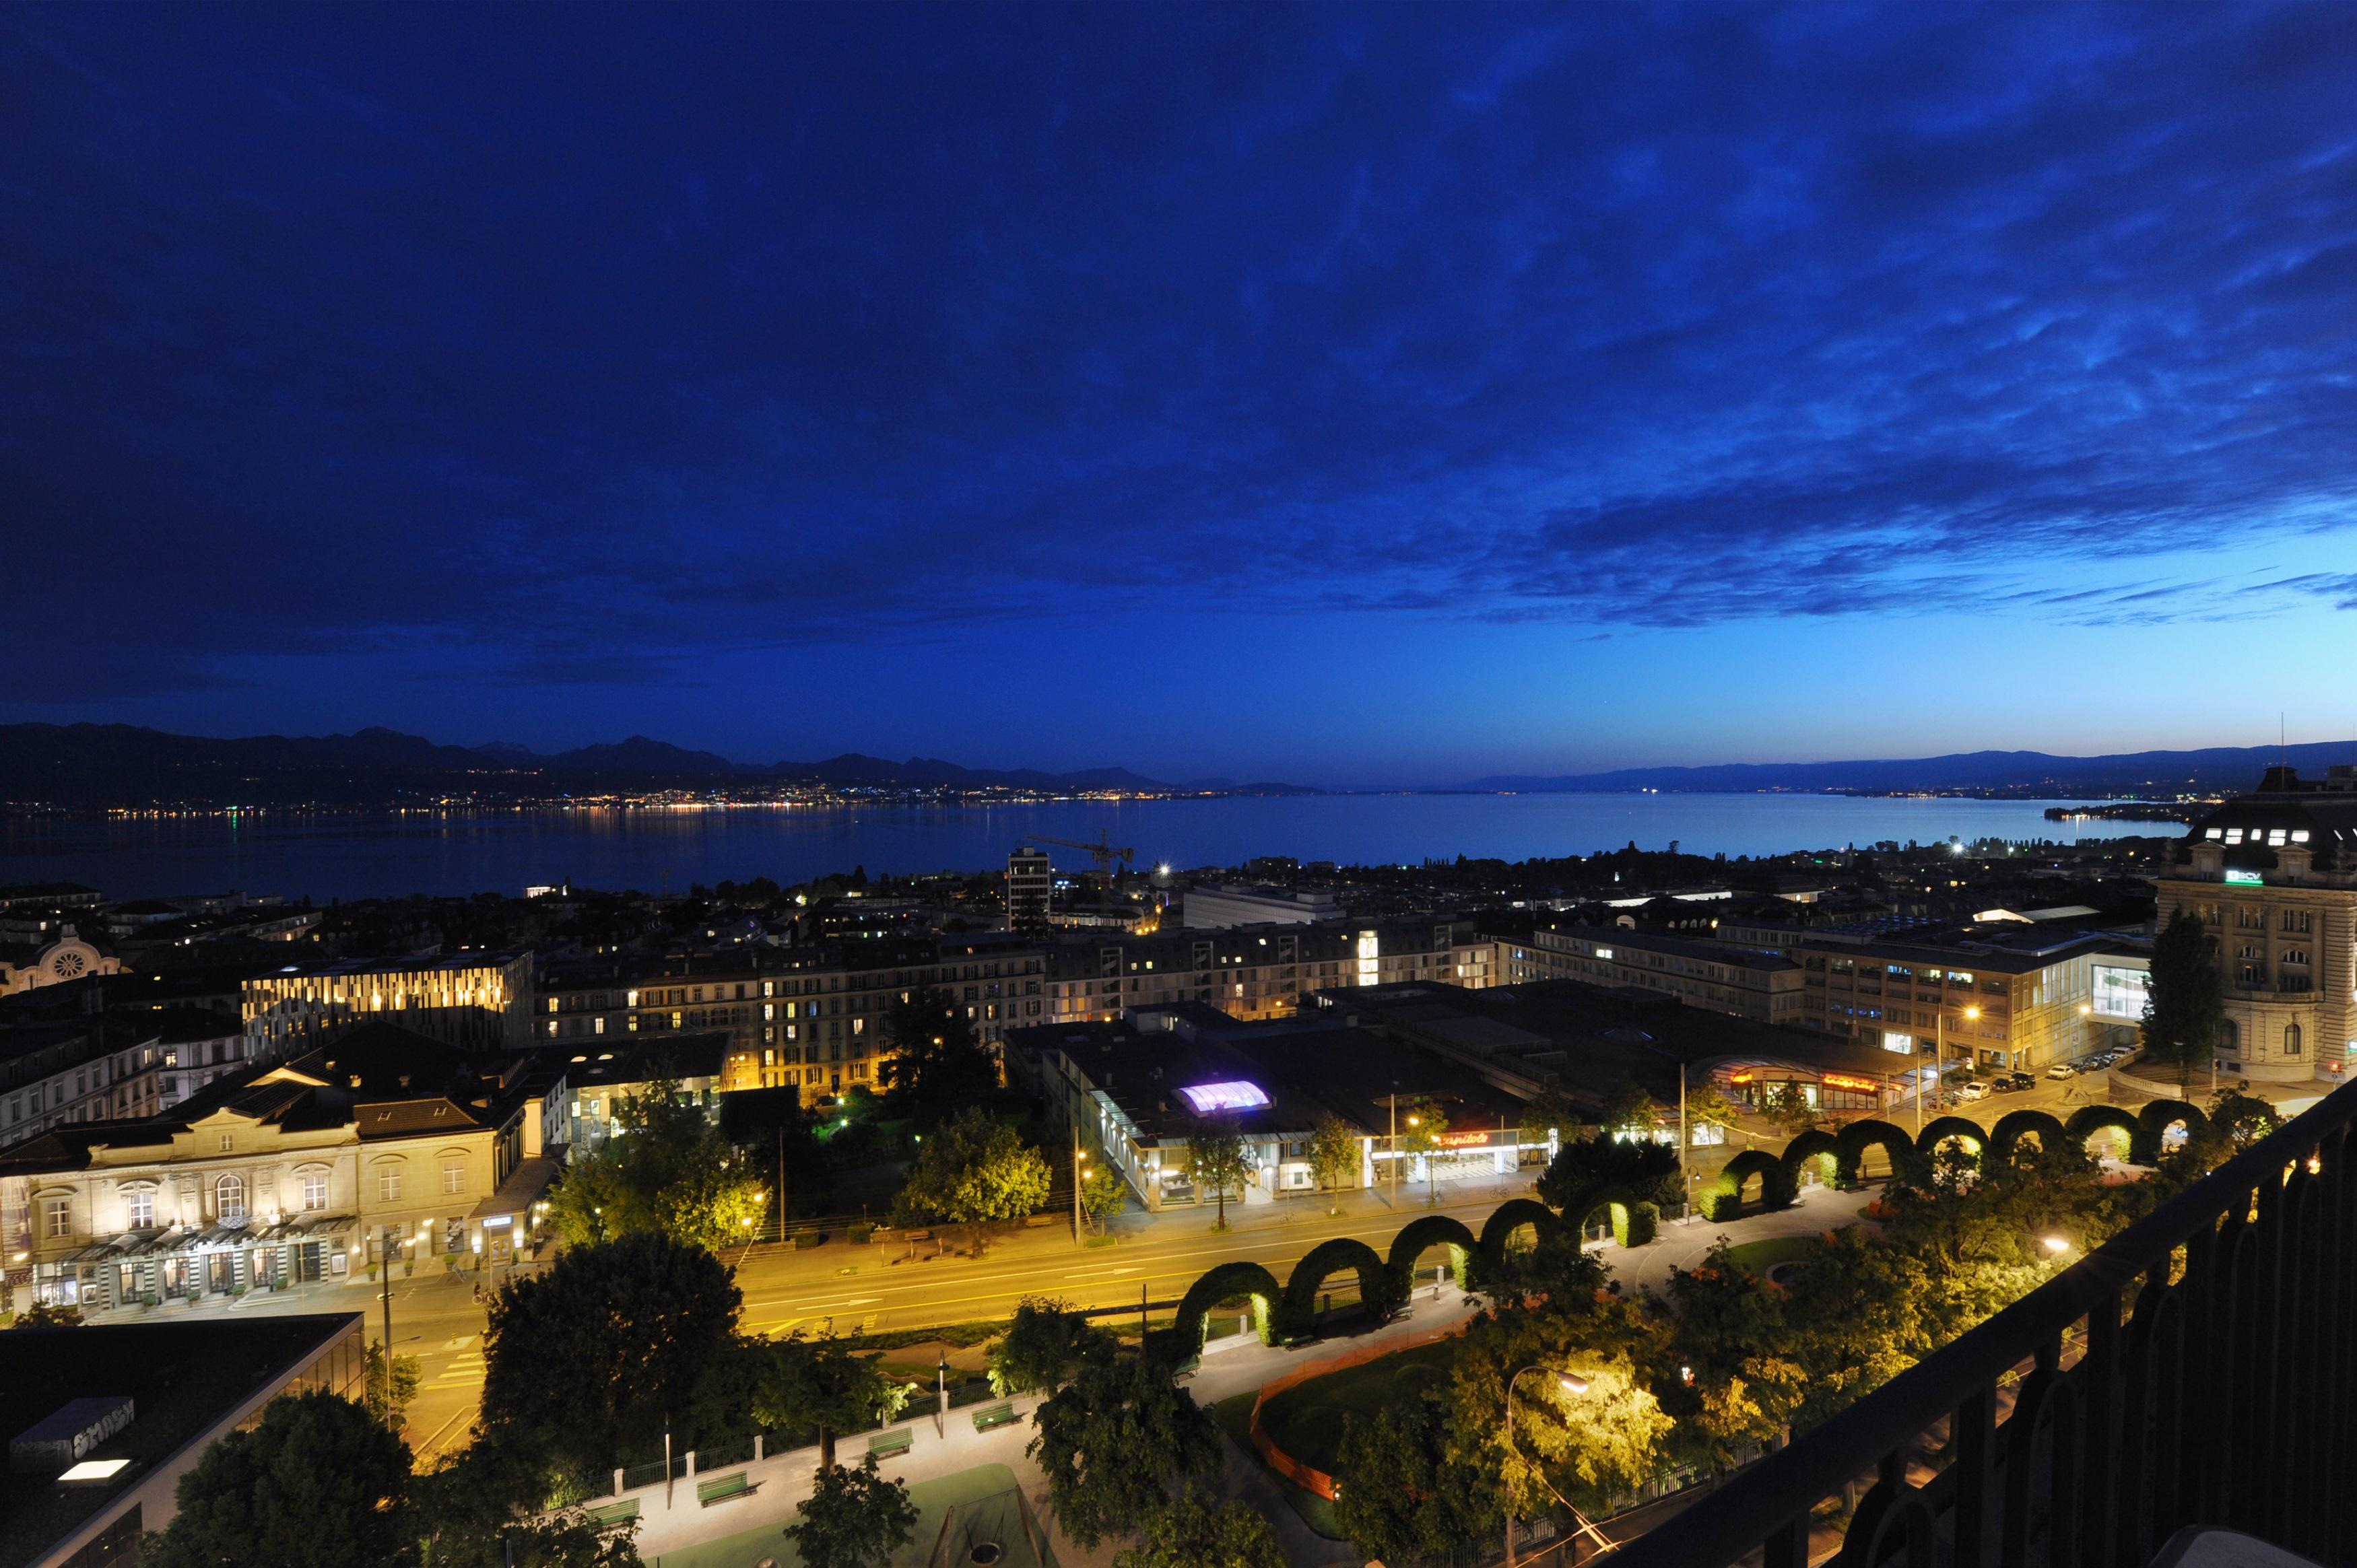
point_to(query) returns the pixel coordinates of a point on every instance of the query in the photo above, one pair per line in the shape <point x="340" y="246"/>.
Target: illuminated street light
<point x="2056" y="1245"/>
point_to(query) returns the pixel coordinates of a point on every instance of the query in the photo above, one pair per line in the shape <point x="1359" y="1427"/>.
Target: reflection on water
<point x="364" y="856"/>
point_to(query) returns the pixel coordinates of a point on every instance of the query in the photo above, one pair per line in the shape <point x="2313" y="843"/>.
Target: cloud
<point x="600" y="352"/>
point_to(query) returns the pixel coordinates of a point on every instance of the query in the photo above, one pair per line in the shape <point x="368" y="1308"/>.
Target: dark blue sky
<point x="1394" y="393"/>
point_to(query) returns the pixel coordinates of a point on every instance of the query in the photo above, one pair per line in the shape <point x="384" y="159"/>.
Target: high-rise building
<point x="1031" y="887"/>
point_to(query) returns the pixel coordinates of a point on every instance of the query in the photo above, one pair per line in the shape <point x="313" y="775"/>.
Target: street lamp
<point x="1569" y="1383"/>
<point x="1078" y="1159"/>
<point x="2055" y="1245"/>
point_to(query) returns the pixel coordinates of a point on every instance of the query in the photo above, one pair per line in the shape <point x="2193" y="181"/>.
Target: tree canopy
<point x="1646" y="1171"/>
<point x="818" y="1384"/>
<point x="1116" y="1440"/>
<point x="1333" y="1156"/>
<point x="1216" y="1159"/>
<point x="1194" y="1532"/>
<point x="974" y="1172"/>
<point x="935" y="1065"/>
<point x="853" y="1518"/>
<point x="1044" y="1345"/>
<point x="2184" y="1010"/>
<point x="585" y="1364"/>
<point x="667" y="1168"/>
<point x="1404" y="1496"/>
<point x="317" y="1480"/>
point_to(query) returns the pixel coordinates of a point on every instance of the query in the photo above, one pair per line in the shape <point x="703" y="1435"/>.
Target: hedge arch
<point x="2090" y="1120"/>
<point x="1853" y="1140"/>
<point x="1635" y="1220"/>
<point x="1217" y="1284"/>
<point x="2154" y="1119"/>
<point x="1299" y="1303"/>
<point x="1504" y="1220"/>
<point x="1422" y="1234"/>
<point x="2010" y="1127"/>
<point x="1778" y="1184"/>
<point x="1963" y="1129"/>
<point x="1816" y="1143"/>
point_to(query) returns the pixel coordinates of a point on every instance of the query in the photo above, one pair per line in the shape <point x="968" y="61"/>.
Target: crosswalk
<point x="465" y="1367"/>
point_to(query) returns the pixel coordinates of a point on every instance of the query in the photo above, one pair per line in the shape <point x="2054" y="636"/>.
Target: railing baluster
<point x="2098" y="1375"/>
<point x="1974" y="1431"/>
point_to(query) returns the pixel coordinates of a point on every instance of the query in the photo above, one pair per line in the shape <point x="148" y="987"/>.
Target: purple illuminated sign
<point x="1207" y="1098"/>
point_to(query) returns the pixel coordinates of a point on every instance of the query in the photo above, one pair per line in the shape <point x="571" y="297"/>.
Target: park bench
<point x="613" y="1515"/>
<point x="995" y="1416"/>
<point x="890" y="1444"/>
<point x="725" y="1488"/>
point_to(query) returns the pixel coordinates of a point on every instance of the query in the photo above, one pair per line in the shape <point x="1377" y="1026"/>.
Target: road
<point x="838" y="1288"/>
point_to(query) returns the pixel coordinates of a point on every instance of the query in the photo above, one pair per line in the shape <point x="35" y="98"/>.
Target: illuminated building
<point x="474" y="1001"/>
<point x="2014" y="997"/>
<point x="1214" y="905"/>
<point x="2273" y="874"/>
<point x="1765" y="987"/>
<point x="1030" y="888"/>
<point x="1260" y="971"/>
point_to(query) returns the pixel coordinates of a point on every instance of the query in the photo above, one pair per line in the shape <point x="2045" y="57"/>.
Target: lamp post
<point x="1394" y="1145"/>
<point x="1078" y="1159"/>
<point x="1570" y="1383"/>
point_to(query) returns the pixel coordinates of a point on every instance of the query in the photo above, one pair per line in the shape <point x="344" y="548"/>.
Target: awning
<point x="523" y="1186"/>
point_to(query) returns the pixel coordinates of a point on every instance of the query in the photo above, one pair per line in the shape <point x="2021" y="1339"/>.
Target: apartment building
<point x="1744" y="982"/>
<point x="381" y="1143"/>
<point x="810" y="1018"/>
<point x="1259" y="971"/>
<point x="1030" y="891"/>
<point x="2273" y="874"/>
<point x="1997" y="995"/>
<point x="1214" y="905"/>
<point x="475" y="1001"/>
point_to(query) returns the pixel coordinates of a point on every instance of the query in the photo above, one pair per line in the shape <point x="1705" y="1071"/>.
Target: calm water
<point x="351" y="857"/>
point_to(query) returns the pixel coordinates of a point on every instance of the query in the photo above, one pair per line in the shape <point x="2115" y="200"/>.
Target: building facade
<point x="1255" y="972"/>
<point x="1744" y="983"/>
<point x="478" y="1001"/>
<point x="51" y="960"/>
<point x="2273" y="874"/>
<point x="1030" y="891"/>
<point x="2002" y="997"/>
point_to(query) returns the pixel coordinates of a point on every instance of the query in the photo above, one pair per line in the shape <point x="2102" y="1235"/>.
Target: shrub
<point x="858" y="1234"/>
<point x="808" y="1238"/>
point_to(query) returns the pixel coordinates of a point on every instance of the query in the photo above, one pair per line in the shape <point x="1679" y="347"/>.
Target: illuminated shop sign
<point x="1208" y="1097"/>
<point x="1844" y="1080"/>
<point x="2250" y="877"/>
<point x="1462" y="1139"/>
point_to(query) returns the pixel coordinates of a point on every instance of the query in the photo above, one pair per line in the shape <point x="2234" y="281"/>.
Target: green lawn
<point x="1234" y="1416"/>
<point x="1761" y="1256"/>
<point x="1307" y="1421"/>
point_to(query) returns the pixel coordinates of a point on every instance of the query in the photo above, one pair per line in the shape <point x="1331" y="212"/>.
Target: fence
<point x="2200" y="1368"/>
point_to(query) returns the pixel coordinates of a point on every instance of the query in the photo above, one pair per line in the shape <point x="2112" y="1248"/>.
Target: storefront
<point x="151" y="1267"/>
<point x="1757" y="1085"/>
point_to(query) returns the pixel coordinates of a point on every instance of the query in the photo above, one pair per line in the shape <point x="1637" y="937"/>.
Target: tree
<point x="1630" y="1110"/>
<point x="853" y="1518"/>
<point x="1104" y="1194"/>
<point x="1422" y="1125"/>
<point x="1706" y="1107"/>
<point x="47" y="1314"/>
<point x="668" y="1167"/>
<point x="1333" y="1156"/>
<point x="1192" y="1532"/>
<point x="1584" y="1169"/>
<point x="319" y="1480"/>
<point x="481" y="1508"/>
<point x="1044" y="1345"/>
<point x="1788" y="1110"/>
<point x="1730" y="1337"/>
<point x="935" y="1065"/>
<point x="1402" y="1495"/>
<point x="1113" y="1442"/>
<point x="806" y="1383"/>
<point x="586" y="1364"/>
<point x="974" y="1172"/>
<point x="1549" y="1112"/>
<point x="390" y="1387"/>
<point x="1603" y="1438"/>
<point x="1216" y="1159"/>
<point x="2185" y="1009"/>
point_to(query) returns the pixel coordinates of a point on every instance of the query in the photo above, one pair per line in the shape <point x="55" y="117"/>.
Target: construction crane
<point x="1103" y="851"/>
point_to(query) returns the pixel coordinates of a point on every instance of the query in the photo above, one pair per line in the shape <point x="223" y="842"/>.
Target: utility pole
<point x="1394" y="1145"/>
<point x="1686" y="1176"/>
<point x="781" y="1181"/>
<point x="385" y="1244"/>
<point x="1076" y="1183"/>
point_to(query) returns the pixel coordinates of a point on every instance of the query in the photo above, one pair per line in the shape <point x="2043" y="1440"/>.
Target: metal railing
<point x="2199" y="1367"/>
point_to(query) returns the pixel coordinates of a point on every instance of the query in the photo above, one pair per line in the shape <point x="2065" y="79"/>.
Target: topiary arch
<point x="1965" y="1131"/>
<point x="1221" y="1282"/>
<point x="1504" y="1220"/>
<point x="1816" y="1143"/>
<point x="1778" y="1184"/>
<point x="2090" y="1120"/>
<point x="2154" y="1119"/>
<point x="1300" y="1300"/>
<point x="1853" y="1140"/>
<point x="1420" y="1236"/>
<point x="2010" y="1127"/>
<point x="1635" y="1220"/>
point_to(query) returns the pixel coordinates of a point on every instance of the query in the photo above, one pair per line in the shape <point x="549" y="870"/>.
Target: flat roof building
<point x="1213" y="905"/>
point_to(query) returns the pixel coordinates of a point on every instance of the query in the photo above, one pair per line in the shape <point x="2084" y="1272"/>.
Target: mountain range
<point x="88" y="765"/>
<point x="2161" y="773"/>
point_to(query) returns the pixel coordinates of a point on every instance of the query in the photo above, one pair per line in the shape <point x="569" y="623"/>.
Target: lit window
<point x="57" y="1218"/>
<point x="139" y="1208"/>
<point x="454" y="1176"/>
<point x="388" y="1184"/>
<point x="315" y="1191"/>
<point x="229" y="1198"/>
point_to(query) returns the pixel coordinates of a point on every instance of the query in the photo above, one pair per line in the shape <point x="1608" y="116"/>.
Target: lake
<point x="364" y="856"/>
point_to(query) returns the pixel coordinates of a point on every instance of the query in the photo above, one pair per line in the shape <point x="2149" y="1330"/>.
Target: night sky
<point x="1370" y="395"/>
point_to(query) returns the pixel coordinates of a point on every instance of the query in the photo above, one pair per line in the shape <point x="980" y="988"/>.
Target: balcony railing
<point x="2200" y="1368"/>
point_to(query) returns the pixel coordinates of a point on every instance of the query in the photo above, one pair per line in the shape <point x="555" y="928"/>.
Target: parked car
<point x="2064" y="1069"/>
<point x="1971" y="1090"/>
<point x="2020" y="1080"/>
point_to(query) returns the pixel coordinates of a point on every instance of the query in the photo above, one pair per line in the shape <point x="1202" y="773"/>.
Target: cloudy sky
<point x="1352" y="395"/>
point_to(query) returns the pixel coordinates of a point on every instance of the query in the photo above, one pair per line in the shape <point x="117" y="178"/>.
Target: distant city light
<point x="1207" y="1098"/>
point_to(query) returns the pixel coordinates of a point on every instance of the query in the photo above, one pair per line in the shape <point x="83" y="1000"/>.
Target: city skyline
<point x="1321" y="395"/>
